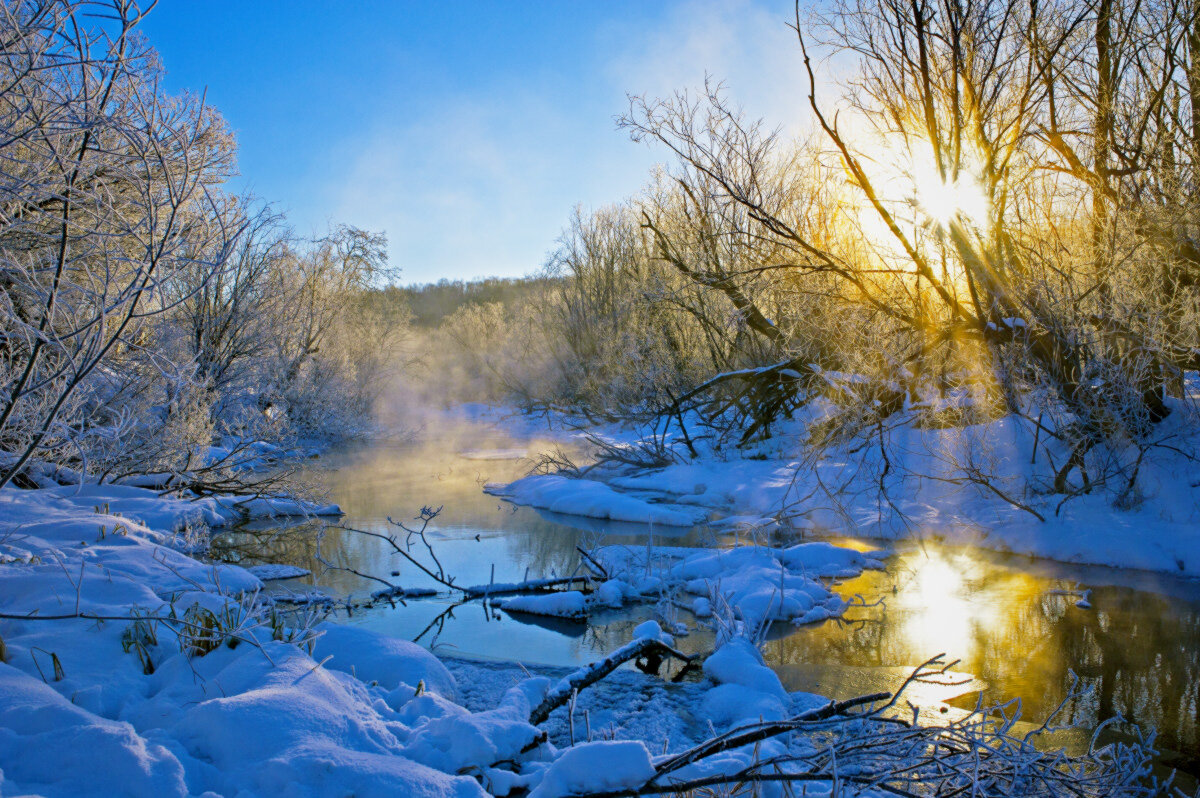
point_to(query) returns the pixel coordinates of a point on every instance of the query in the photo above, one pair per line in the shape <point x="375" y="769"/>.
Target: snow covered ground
<point x="593" y="499"/>
<point x="131" y="668"/>
<point x="772" y="484"/>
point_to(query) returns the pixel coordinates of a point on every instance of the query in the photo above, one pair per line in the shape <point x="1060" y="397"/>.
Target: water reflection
<point x="1138" y="648"/>
<point x="1014" y="629"/>
<point x="477" y="537"/>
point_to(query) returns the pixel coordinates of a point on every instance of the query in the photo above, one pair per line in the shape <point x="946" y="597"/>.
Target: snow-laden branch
<point x="573" y="682"/>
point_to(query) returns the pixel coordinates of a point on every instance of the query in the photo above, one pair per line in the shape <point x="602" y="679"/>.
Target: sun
<point x="944" y="201"/>
<point x="905" y="173"/>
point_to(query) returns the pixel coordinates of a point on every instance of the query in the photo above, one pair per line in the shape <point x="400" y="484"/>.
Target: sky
<point x="466" y="131"/>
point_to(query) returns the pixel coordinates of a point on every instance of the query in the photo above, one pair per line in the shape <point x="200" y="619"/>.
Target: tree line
<point x="993" y="217"/>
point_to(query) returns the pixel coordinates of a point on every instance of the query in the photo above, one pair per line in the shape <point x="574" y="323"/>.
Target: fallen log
<point x="528" y="586"/>
<point x="560" y="693"/>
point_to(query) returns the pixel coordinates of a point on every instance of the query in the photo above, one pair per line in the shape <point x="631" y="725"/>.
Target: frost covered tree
<point x="145" y="313"/>
<point x="993" y="219"/>
<point x="109" y="193"/>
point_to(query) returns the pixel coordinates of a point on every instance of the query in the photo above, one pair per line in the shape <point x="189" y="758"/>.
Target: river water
<point x="1010" y="620"/>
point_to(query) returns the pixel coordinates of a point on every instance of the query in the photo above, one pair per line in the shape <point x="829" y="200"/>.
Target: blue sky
<point x="465" y="131"/>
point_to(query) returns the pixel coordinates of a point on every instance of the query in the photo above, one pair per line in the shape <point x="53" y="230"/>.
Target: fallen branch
<point x="746" y="735"/>
<point x="528" y="586"/>
<point x="601" y="571"/>
<point x="977" y="755"/>
<point x="560" y="693"/>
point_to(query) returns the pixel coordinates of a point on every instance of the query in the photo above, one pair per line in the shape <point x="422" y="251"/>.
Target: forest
<point x="796" y="405"/>
<point x="149" y="315"/>
<point x="993" y="220"/>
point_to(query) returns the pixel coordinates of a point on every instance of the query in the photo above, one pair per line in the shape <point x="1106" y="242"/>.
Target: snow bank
<point x="246" y="508"/>
<point x="759" y="583"/>
<point x="118" y="707"/>
<point x="739" y="663"/>
<point x="567" y="604"/>
<point x="110" y="542"/>
<point x="169" y="515"/>
<point x="144" y="507"/>
<point x="122" y="706"/>
<point x="593" y="499"/>
<point x="128" y="706"/>
<point x="597" y="767"/>
<point x="386" y="661"/>
<point x="286" y="726"/>
<point x="461" y="740"/>
<point x="765" y="488"/>
<point x="651" y="629"/>
<point x="49" y="746"/>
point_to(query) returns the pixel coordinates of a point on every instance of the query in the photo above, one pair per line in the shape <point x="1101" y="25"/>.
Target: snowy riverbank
<point x="132" y="668"/>
<point x="772" y="484"/>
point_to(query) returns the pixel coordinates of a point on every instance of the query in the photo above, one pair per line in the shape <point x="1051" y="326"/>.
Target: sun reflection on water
<point x="1009" y="619"/>
<point x="938" y="613"/>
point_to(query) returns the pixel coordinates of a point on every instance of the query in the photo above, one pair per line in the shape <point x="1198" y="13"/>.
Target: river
<point x="1012" y="621"/>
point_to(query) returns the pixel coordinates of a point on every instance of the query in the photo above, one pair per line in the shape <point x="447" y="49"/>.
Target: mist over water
<point x="478" y="538"/>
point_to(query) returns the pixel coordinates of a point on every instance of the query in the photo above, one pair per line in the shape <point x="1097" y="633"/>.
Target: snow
<point x="99" y="534"/>
<point x="461" y="740"/>
<point x="290" y="727"/>
<point x="271" y="571"/>
<point x="139" y="505"/>
<point x="242" y="721"/>
<point x="234" y="507"/>
<point x="82" y="715"/>
<point x="500" y="588"/>
<point x="766" y="488"/>
<point x="108" y="756"/>
<point x="245" y="456"/>
<point x="167" y="515"/>
<point x="593" y="499"/>
<point x="611" y="593"/>
<point x="402" y="592"/>
<point x="567" y="604"/>
<point x="98" y="707"/>
<point x="739" y="663"/>
<point x="389" y="662"/>
<point x="759" y="583"/>
<point x="596" y="767"/>
<point x="652" y="630"/>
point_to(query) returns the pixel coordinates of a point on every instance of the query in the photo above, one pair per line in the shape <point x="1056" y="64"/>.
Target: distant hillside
<point x="432" y="302"/>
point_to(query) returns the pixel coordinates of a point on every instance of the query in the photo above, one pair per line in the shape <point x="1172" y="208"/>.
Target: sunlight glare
<point x="905" y="173"/>
<point x="944" y="201"/>
<point x="940" y="616"/>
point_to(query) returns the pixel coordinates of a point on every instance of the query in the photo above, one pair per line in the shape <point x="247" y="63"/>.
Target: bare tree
<point x="109" y="194"/>
<point x="994" y="205"/>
